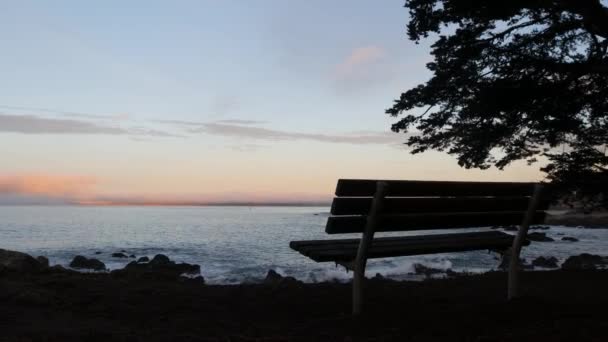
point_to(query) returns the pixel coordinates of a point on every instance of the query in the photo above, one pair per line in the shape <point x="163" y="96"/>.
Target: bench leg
<point x="513" y="276"/>
<point x="364" y="245"/>
<point x="515" y="250"/>
<point x="358" y="279"/>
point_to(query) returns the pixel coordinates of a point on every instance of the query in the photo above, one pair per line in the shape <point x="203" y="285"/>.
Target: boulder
<point x="378" y="277"/>
<point x="160" y="267"/>
<point x="506" y="260"/>
<point x="451" y="273"/>
<point x="569" y="238"/>
<point x="272" y="277"/>
<point x="539" y="237"/>
<point x="119" y="255"/>
<point x="427" y="271"/>
<point x="20" y="262"/>
<point x="275" y="279"/>
<point x="143" y="259"/>
<point x="160" y="259"/>
<point x="44" y="261"/>
<point x="132" y="256"/>
<point x="585" y="261"/>
<point x="549" y="262"/>
<point x="82" y="262"/>
<point x="98" y="252"/>
<point x="58" y="268"/>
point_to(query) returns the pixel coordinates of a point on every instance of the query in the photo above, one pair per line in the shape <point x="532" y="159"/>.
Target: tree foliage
<point x="512" y="80"/>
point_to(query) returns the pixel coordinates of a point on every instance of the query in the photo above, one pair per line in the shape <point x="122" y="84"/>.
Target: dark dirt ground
<point x="558" y="306"/>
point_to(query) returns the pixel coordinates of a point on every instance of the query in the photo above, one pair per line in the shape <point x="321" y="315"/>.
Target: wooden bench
<point x="369" y="206"/>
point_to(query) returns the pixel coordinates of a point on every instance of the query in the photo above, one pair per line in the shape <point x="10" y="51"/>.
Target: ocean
<point x="232" y="244"/>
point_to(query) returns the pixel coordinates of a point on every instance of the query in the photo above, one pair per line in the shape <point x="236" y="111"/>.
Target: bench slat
<point x="395" y="240"/>
<point x="386" y="223"/>
<point x="396" y="188"/>
<point x="346" y="249"/>
<point x="361" y="205"/>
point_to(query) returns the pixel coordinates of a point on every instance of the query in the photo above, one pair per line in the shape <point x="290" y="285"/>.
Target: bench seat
<point x="344" y="250"/>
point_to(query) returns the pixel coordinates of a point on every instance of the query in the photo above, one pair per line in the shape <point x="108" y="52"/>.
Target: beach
<point x="68" y="306"/>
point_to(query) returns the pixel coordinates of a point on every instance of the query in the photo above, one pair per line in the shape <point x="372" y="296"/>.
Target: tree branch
<point x="594" y="14"/>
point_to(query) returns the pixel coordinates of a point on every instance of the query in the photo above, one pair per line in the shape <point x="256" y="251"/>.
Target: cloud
<point x="358" y="59"/>
<point x="241" y="122"/>
<point x="260" y="133"/>
<point x="224" y="121"/>
<point x="31" y="124"/>
<point x="181" y="122"/>
<point x="245" y="147"/>
<point x="66" y="113"/>
<point x="45" y="184"/>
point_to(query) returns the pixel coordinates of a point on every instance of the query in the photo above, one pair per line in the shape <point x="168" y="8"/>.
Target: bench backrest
<point x="419" y="205"/>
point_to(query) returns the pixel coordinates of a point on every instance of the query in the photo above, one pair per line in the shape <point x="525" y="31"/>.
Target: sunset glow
<point x="111" y="109"/>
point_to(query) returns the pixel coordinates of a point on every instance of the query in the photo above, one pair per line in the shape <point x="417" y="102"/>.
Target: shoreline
<point x="585" y="221"/>
<point x="150" y="301"/>
<point x="68" y="306"/>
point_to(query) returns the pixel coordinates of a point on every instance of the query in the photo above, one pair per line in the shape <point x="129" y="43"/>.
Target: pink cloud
<point x="46" y="184"/>
<point x="359" y="58"/>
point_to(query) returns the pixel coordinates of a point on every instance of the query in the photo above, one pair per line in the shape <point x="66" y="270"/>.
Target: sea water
<point x="232" y="244"/>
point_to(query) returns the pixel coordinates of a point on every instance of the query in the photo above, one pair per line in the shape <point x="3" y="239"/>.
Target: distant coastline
<point x="177" y="204"/>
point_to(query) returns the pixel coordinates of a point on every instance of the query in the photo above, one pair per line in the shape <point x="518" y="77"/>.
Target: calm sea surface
<point x="232" y="244"/>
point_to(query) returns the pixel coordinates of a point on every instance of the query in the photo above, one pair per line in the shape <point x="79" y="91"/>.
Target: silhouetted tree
<point x="513" y="80"/>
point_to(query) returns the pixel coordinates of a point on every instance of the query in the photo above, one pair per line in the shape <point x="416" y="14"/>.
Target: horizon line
<point x="174" y="204"/>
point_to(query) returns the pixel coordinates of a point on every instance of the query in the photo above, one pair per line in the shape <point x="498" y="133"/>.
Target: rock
<point x="17" y="261"/>
<point x="143" y="259"/>
<point x="44" y="261"/>
<point x="272" y="277"/>
<point x="506" y="260"/>
<point x="132" y="256"/>
<point x="119" y="255"/>
<point x="84" y="263"/>
<point x="585" y="261"/>
<point x="539" y="237"/>
<point x="378" y="276"/>
<point x="160" y="267"/>
<point x="451" y="273"/>
<point x="568" y="238"/>
<point x="427" y="271"/>
<point x="98" y="252"/>
<point x="57" y="268"/>
<point x="549" y="262"/>
<point x="275" y="279"/>
<point x="160" y="259"/>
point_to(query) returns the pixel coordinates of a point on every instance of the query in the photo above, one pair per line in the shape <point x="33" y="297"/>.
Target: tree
<point x="513" y="80"/>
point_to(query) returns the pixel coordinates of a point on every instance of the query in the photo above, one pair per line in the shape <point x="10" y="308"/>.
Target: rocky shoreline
<point x="579" y="220"/>
<point x="151" y="300"/>
<point x="52" y="304"/>
<point x="162" y="267"/>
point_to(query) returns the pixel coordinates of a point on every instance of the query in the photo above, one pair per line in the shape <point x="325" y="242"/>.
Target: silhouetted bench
<point x="369" y="206"/>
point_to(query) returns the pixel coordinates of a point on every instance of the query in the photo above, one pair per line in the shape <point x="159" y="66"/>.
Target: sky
<point x="209" y="101"/>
